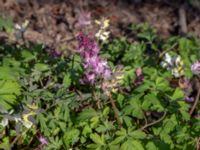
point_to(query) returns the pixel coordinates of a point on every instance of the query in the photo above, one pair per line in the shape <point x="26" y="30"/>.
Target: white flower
<point x="17" y="119"/>
<point x="27" y="124"/>
<point x="168" y="58"/>
<point x="178" y="61"/>
<point x="175" y="72"/>
<point x="173" y="63"/>
<point x="164" y="65"/>
<point x="25" y="121"/>
<point x="5" y="120"/>
<point x="102" y="35"/>
<point x="22" y="27"/>
<point x="104" y="23"/>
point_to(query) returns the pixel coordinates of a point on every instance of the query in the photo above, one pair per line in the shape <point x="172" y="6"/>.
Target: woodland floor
<point x="53" y="22"/>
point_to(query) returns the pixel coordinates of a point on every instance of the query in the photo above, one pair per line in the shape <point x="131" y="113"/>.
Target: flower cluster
<point x="95" y="67"/>
<point x="196" y="68"/>
<point x="102" y="34"/>
<point x="174" y="64"/>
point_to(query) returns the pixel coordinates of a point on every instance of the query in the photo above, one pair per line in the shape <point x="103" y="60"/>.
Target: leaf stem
<point x="154" y="122"/>
<point x="115" y="110"/>
<point x="195" y="103"/>
<point x="98" y="102"/>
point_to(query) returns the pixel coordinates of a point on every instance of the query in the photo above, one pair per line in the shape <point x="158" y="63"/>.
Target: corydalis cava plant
<point x="95" y="67"/>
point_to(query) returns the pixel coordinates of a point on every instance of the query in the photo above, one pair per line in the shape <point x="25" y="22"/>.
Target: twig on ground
<point x="182" y="20"/>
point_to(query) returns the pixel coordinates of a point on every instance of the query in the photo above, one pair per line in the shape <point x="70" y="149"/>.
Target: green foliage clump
<point x="45" y="91"/>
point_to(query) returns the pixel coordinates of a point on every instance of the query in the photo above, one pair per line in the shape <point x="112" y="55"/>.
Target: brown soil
<point x="53" y="22"/>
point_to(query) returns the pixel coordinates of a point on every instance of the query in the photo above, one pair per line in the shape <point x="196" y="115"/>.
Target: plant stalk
<point x="154" y="122"/>
<point x="116" y="111"/>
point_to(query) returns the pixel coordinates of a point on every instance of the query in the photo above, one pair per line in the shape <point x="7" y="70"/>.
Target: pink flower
<point x="189" y="99"/>
<point x="138" y="72"/>
<point x="196" y="68"/>
<point x="43" y="140"/>
<point x="139" y="77"/>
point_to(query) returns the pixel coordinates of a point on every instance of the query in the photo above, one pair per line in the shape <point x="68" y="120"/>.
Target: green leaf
<point x="42" y="121"/>
<point x="113" y="147"/>
<point x="86" y="130"/>
<point x="5" y="143"/>
<point x="7" y="73"/>
<point x="121" y="132"/>
<point x="67" y="80"/>
<point x="41" y="67"/>
<point x="118" y="140"/>
<point x="128" y="121"/>
<point x="138" y="134"/>
<point x="27" y="55"/>
<point x="71" y="137"/>
<point x="151" y="146"/>
<point x="6" y="23"/>
<point x="178" y="94"/>
<point x="120" y="99"/>
<point x="132" y="145"/>
<point x="106" y="111"/>
<point x="9" y="90"/>
<point x="151" y="102"/>
<point x="162" y="84"/>
<point x="142" y="88"/>
<point x="136" y="108"/>
<point x="97" y="139"/>
<point x="87" y="114"/>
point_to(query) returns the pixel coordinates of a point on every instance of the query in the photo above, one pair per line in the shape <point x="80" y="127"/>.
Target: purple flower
<point x="87" y="45"/>
<point x="56" y="53"/>
<point x="196" y="68"/>
<point x="139" y="77"/>
<point x="89" y="78"/>
<point x="95" y="67"/>
<point x="189" y="99"/>
<point x="107" y="73"/>
<point x="43" y="140"/>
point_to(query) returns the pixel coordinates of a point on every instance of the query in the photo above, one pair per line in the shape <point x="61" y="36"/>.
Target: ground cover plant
<point x="108" y="94"/>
